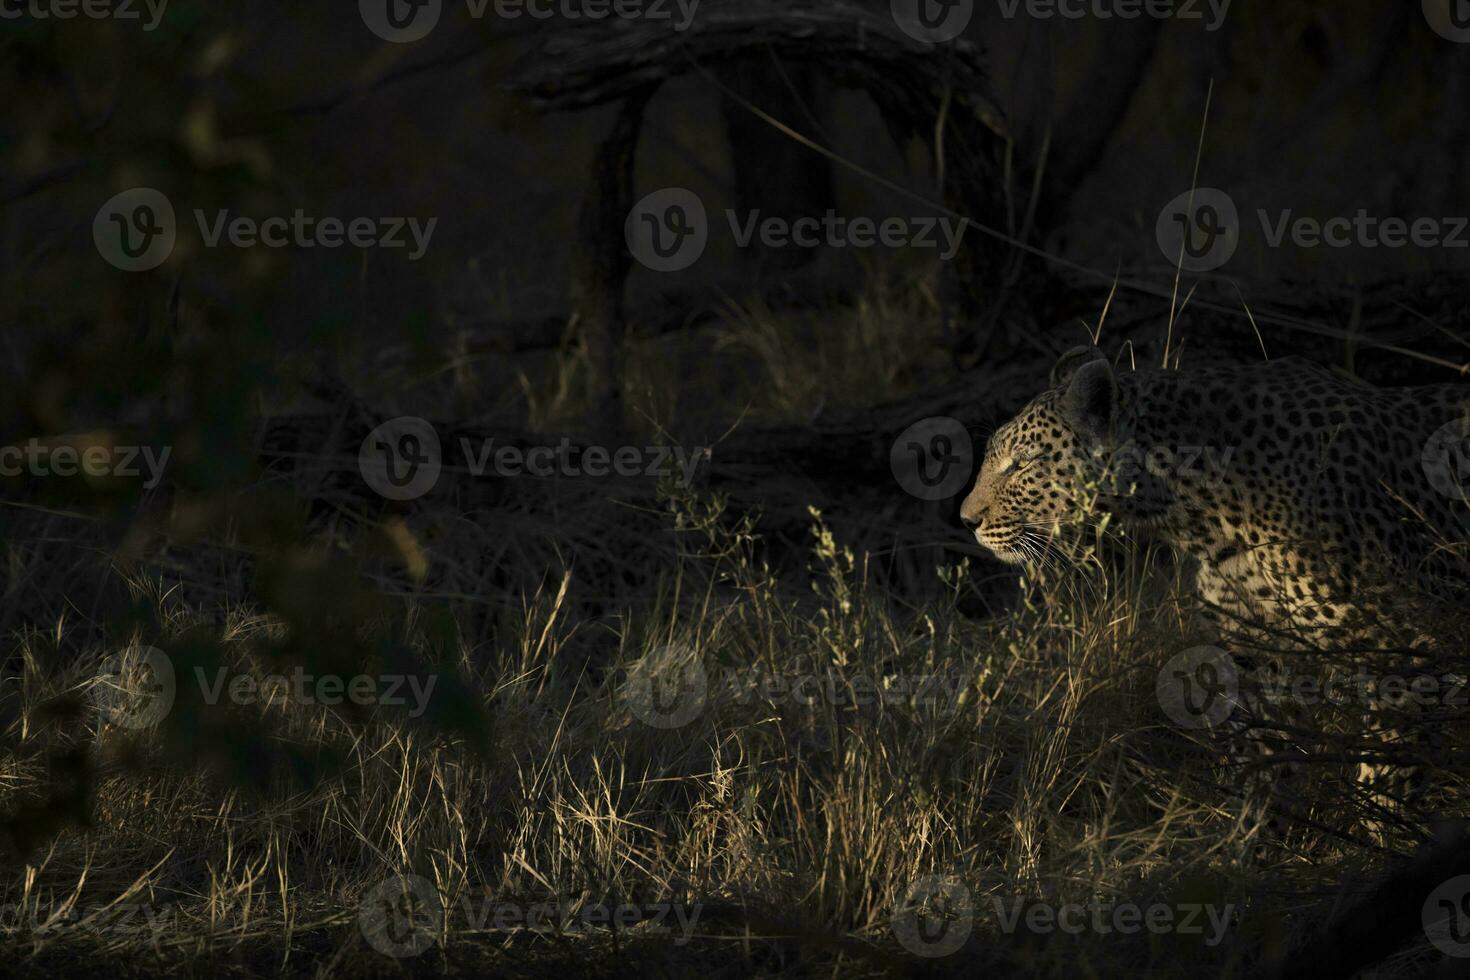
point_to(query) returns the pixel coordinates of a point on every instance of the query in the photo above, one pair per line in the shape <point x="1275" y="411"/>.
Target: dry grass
<point x="1038" y="767"/>
<point x="1025" y="757"/>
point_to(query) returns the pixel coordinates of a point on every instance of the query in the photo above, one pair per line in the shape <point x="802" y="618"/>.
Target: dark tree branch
<point x="1385" y="918"/>
<point x="602" y="261"/>
<point x="1086" y="127"/>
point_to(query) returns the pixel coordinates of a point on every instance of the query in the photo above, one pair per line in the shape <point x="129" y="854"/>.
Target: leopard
<point x="1312" y="509"/>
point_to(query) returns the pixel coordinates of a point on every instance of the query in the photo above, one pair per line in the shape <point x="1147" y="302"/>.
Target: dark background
<point x="527" y="141"/>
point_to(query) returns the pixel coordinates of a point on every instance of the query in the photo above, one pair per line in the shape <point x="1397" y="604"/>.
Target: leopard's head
<point x="1042" y="468"/>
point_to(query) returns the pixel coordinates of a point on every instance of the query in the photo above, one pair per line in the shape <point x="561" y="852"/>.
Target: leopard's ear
<point x="1068" y="363"/>
<point x="1090" y="399"/>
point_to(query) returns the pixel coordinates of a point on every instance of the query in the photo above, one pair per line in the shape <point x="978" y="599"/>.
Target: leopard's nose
<point x="973" y="519"/>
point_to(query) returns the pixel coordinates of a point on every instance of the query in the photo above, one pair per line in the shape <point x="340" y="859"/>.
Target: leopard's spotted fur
<point x="1306" y="500"/>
